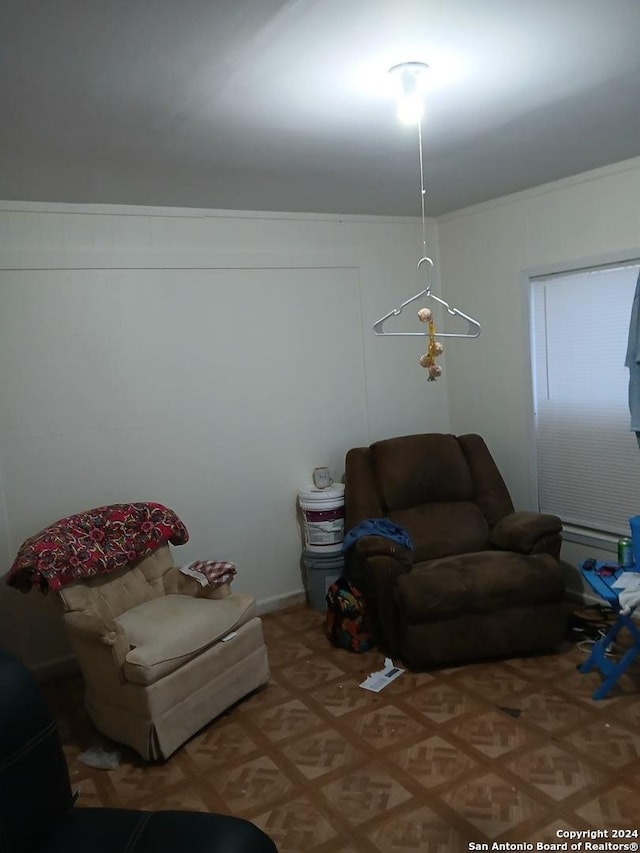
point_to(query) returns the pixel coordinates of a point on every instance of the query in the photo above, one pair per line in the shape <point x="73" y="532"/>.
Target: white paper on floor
<point x="377" y="681"/>
<point x="100" y="758"/>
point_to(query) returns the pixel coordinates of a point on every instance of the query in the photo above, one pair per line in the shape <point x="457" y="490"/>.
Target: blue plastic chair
<point x="611" y="670"/>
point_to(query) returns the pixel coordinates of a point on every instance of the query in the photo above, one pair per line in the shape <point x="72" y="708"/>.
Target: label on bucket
<point x="324" y="526"/>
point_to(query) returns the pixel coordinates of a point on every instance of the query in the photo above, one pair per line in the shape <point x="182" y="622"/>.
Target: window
<point x="588" y="460"/>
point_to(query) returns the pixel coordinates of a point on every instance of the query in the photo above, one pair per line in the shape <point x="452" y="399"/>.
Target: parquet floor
<point x="513" y="750"/>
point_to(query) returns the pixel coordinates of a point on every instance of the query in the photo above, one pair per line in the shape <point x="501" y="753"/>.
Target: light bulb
<point x="410" y="109"/>
<point x="409" y="78"/>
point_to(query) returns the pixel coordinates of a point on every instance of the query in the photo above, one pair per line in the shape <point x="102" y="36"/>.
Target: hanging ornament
<point x="434" y="347"/>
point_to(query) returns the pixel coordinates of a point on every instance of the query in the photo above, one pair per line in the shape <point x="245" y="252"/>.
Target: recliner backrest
<point x="420" y="469"/>
<point x="438" y="468"/>
<point x="446" y="490"/>
<point x="490" y="492"/>
<point x="108" y="596"/>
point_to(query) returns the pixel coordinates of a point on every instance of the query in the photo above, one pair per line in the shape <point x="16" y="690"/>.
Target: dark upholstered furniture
<point x="36" y="803"/>
<point x="481" y="581"/>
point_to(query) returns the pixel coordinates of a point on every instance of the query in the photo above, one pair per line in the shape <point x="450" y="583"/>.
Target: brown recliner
<point x="481" y="580"/>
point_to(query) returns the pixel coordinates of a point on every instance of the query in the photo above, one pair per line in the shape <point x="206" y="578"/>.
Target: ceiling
<point x="285" y="105"/>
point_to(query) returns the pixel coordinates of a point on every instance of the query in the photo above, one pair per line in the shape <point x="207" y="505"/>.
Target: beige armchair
<point x="162" y="656"/>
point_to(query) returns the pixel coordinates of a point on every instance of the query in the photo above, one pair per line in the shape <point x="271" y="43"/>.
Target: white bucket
<point x="323" y="517"/>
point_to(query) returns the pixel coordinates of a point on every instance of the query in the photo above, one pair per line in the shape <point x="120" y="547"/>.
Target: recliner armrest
<point x="101" y="648"/>
<point x="380" y="546"/>
<point x="222" y="590"/>
<point x="92" y="626"/>
<point x="522" y="531"/>
<point x="177" y="583"/>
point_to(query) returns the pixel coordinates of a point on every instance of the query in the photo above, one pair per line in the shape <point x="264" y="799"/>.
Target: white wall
<point x="207" y="360"/>
<point x="486" y="254"/>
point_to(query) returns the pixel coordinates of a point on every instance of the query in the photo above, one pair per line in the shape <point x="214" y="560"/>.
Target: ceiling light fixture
<point x="410" y="84"/>
<point x="410" y="80"/>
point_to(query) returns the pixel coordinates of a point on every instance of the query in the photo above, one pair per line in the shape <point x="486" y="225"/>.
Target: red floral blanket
<point x="95" y="542"/>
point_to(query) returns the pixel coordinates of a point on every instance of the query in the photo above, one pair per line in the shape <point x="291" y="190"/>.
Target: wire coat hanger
<point x="473" y="330"/>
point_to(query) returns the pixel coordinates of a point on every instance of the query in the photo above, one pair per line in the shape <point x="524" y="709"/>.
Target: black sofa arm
<point x="108" y="830"/>
<point x="35" y="790"/>
<point x="36" y="802"/>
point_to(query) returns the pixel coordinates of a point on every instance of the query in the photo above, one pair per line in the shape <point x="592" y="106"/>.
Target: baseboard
<point x="280" y="602"/>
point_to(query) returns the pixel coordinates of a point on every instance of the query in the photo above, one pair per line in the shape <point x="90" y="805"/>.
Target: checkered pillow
<point x="210" y="572"/>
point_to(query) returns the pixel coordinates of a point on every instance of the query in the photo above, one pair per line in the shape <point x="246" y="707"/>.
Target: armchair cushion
<point x="165" y="632"/>
<point x="486" y="582"/>
<point x="519" y="531"/>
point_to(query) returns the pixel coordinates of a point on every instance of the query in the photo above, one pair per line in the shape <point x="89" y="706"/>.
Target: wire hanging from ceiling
<point x="409" y="74"/>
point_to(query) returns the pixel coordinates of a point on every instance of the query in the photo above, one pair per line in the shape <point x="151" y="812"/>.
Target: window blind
<point x="588" y="460"/>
